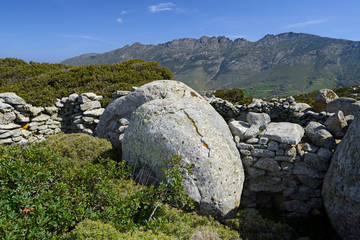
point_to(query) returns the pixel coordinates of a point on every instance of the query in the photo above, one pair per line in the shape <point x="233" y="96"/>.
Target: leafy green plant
<point x="233" y="95"/>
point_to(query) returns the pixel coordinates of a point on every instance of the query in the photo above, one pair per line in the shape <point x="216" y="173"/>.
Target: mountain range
<point x="276" y="65"/>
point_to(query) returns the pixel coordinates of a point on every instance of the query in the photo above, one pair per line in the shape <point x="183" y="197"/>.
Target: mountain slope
<point x="283" y="64"/>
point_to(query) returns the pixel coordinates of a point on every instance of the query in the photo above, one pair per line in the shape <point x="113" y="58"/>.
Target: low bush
<point x="233" y="95"/>
<point x="57" y="80"/>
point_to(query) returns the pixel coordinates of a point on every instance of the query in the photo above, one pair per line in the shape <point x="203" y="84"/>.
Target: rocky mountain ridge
<point x="275" y="65"/>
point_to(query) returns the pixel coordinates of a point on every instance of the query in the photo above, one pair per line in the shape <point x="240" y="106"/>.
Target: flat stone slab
<point x="284" y="132"/>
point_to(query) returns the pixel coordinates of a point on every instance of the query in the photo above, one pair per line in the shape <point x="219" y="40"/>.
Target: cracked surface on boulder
<point x="192" y="129"/>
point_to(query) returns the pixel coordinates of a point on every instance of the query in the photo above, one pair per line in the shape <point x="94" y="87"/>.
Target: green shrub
<point x="93" y="230"/>
<point x="233" y="95"/>
<point x="57" y="80"/>
<point x="81" y="148"/>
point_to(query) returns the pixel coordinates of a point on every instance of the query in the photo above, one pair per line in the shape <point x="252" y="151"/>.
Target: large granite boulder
<point x="323" y="97"/>
<point x="191" y="128"/>
<point x="120" y="109"/>
<point x="341" y="186"/>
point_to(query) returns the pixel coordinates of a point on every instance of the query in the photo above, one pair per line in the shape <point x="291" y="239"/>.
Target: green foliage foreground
<point x="46" y="194"/>
<point x="41" y="83"/>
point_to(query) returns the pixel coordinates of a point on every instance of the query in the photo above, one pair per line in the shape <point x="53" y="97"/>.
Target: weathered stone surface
<point x="4" y="106"/>
<point x="118" y="94"/>
<point x="264" y="184"/>
<point x="308" y="147"/>
<point x="95" y="112"/>
<point x="238" y="128"/>
<point x="301" y="168"/>
<point x="262" y="153"/>
<point x="41" y="118"/>
<point x="323" y="97"/>
<point x="348" y="106"/>
<point x="123" y="107"/>
<point x="285" y="132"/>
<point x="337" y="124"/>
<point x="163" y="127"/>
<point x="90" y="105"/>
<point x="258" y="119"/>
<point x="12" y="98"/>
<point x="252" y="132"/>
<point x="341" y="188"/>
<point x="319" y="135"/>
<point x="9" y="126"/>
<point x="7" y="117"/>
<point x="268" y="164"/>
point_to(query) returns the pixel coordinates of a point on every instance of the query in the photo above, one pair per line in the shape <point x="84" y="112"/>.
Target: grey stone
<point x="124" y="107"/>
<point x="268" y="164"/>
<point x="244" y="146"/>
<point x="7" y="117"/>
<point x="10" y="133"/>
<point x="252" y="132"/>
<point x="261" y="120"/>
<point x="12" y="98"/>
<point x="90" y="105"/>
<point x="51" y="110"/>
<point x="284" y="158"/>
<point x="315" y="203"/>
<point x="262" y="153"/>
<point x="348" y="106"/>
<point x="301" y="107"/>
<point x="168" y="126"/>
<point x="21" y="118"/>
<point x="296" y="206"/>
<point x="253" y="140"/>
<point x="308" y="147"/>
<point x="245" y="153"/>
<point x="301" y="168"/>
<point x="94" y="113"/>
<point x="41" y="118"/>
<point x="310" y="182"/>
<point x="323" y="97"/>
<point x="273" y="145"/>
<point x="5" y="106"/>
<point x="35" y="111"/>
<point x="336" y="124"/>
<point x="238" y="128"/>
<point x="325" y="154"/>
<point x="248" y="161"/>
<point x="319" y="135"/>
<point x="9" y="126"/>
<point x="291" y="152"/>
<point x="263" y="140"/>
<point x="261" y="184"/>
<point x="73" y="97"/>
<point x="288" y="133"/>
<point x="341" y="185"/>
<point x="6" y="141"/>
<point x="255" y="172"/>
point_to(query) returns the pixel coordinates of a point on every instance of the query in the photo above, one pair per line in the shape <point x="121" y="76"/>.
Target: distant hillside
<point x="41" y="83"/>
<point x="283" y="64"/>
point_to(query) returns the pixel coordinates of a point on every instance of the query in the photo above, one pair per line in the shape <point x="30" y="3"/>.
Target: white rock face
<point x="288" y="133"/>
<point x="192" y="129"/>
<point x="123" y="107"/>
<point x="341" y="187"/>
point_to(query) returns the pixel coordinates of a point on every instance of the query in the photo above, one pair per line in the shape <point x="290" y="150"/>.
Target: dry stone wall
<point x="21" y="123"/>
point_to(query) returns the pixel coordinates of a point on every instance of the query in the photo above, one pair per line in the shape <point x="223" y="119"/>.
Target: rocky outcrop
<point x="341" y="188"/>
<point x="191" y="128"/>
<point x="119" y="110"/>
<point x="348" y="106"/>
<point x="319" y="135"/>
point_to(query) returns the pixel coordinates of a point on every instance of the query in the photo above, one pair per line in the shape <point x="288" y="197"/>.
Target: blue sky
<point x="53" y="30"/>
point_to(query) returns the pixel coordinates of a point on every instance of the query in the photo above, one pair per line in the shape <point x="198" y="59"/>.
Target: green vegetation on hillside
<point x="41" y="83"/>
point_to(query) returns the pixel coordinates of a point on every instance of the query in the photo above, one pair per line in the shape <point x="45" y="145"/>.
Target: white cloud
<point x="307" y="23"/>
<point x="123" y="12"/>
<point x="119" y="20"/>
<point x="168" y="6"/>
